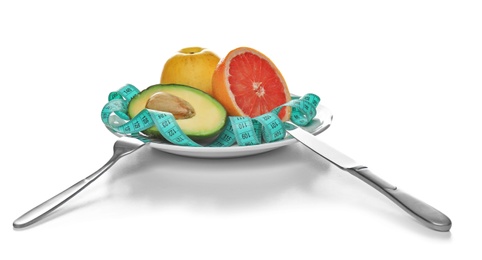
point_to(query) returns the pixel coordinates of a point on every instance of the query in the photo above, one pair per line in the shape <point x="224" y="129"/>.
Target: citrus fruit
<point x="247" y="83"/>
<point x="192" y="66"/>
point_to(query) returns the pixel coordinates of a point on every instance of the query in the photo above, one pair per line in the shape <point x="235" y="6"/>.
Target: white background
<point x="402" y="79"/>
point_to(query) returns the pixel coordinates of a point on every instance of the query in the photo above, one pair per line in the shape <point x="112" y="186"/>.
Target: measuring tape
<point x="239" y="129"/>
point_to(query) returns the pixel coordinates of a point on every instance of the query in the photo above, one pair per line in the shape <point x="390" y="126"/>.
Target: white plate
<point x="318" y="125"/>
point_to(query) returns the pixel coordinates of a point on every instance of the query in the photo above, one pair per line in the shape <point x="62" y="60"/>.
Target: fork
<point x="122" y="147"/>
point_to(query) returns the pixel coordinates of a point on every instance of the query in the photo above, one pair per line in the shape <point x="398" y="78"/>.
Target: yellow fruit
<point x="192" y="66"/>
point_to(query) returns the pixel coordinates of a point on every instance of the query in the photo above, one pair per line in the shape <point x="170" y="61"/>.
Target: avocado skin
<point x="153" y="132"/>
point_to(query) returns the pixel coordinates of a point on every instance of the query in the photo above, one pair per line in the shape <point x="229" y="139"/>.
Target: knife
<point x="426" y="214"/>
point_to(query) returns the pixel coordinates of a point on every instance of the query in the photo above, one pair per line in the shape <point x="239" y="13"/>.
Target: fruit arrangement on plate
<point x="204" y="93"/>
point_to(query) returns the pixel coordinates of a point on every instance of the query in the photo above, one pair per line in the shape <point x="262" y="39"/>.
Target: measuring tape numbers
<point x="240" y="130"/>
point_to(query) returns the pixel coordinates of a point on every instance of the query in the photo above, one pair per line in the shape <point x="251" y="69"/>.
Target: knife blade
<point x="323" y="149"/>
<point x="426" y="214"/>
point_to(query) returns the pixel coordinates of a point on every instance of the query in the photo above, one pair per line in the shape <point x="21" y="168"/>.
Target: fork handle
<point x="50" y="205"/>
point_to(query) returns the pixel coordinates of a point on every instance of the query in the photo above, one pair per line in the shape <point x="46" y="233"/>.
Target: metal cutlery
<point x="122" y="147"/>
<point x="426" y="214"/>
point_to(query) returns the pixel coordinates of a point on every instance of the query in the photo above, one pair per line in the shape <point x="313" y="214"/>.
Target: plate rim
<point x="241" y="151"/>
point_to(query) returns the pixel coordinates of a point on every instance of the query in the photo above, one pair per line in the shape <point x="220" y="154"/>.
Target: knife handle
<point x="426" y="214"/>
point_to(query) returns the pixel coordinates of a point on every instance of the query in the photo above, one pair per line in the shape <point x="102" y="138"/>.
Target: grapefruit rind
<point x="223" y="89"/>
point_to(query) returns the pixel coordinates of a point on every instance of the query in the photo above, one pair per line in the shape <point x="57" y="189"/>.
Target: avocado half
<point x="209" y="119"/>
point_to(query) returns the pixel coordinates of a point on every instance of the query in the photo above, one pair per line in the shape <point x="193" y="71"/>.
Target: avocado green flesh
<point x="208" y="121"/>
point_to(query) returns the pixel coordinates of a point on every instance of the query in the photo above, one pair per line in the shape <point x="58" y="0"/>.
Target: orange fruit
<point x="247" y="83"/>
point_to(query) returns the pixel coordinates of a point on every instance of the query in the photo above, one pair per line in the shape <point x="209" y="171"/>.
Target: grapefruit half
<point x="247" y="83"/>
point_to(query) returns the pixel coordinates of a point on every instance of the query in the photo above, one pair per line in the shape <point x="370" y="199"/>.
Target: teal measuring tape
<point x="242" y="130"/>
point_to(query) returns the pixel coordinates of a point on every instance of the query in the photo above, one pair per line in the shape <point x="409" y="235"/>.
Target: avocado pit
<point x="178" y="107"/>
<point x="201" y="120"/>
